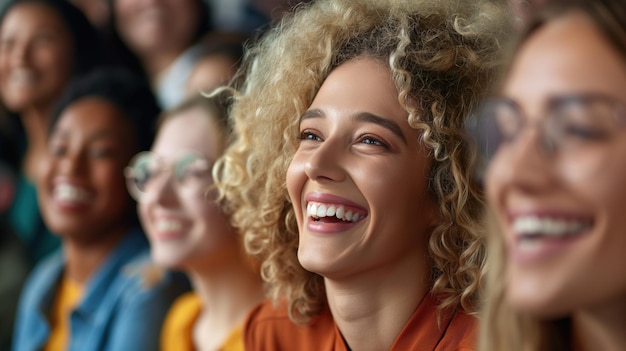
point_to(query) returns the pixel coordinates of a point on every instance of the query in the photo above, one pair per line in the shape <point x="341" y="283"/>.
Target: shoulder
<point x="461" y="333"/>
<point x="178" y="325"/>
<point x="138" y="285"/>
<point x="268" y="327"/>
<point x="432" y="329"/>
<point x="44" y="276"/>
<point x="183" y="313"/>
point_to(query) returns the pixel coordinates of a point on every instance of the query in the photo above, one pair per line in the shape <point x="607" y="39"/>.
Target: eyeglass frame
<point x="472" y="127"/>
<point x="129" y="171"/>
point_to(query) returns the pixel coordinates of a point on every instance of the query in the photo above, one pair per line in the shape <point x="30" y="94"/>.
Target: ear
<point x="7" y="191"/>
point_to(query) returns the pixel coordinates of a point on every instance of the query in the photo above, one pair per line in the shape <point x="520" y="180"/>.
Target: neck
<point x="82" y="259"/>
<point x="601" y="327"/>
<point x="372" y="309"/>
<point x="228" y="292"/>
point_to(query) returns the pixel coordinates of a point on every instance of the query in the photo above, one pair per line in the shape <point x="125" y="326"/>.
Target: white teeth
<point x="166" y="225"/>
<point x="70" y="193"/>
<point x="533" y="225"/>
<point x="317" y="210"/>
<point x="321" y="211"/>
<point x="340" y="212"/>
<point x="22" y="76"/>
<point x="348" y="216"/>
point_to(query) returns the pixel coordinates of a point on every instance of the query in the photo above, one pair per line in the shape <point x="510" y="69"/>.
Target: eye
<point x="584" y="132"/>
<point x="372" y="140"/>
<point x="57" y="149"/>
<point x="309" y="135"/>
<point x="101" y="152"/>
<point x="193" y="168"/>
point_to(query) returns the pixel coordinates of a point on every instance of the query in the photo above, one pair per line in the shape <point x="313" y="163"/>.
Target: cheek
<point x="144" y="215"/>
<point x="109" y="178"/>
<point x="296" y="177"/>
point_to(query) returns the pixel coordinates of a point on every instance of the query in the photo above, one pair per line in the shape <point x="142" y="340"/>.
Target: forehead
<point x="189" y="130"/>
<point x="93" y="114"/>
<point x="33" y="14"/>
<point x="568" y="55"/>
<point x="362" y="84"/>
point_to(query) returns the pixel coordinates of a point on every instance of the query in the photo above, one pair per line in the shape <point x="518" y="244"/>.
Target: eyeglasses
<point x="146" y="174"/>
<point x="572" y="123"/>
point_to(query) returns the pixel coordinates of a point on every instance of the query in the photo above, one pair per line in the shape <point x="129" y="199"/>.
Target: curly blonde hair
<point x="441" y="55"/>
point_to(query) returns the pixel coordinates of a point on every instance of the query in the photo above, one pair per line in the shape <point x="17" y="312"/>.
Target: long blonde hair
<point x="503" y="327"/>
<point x="441" y="55"/>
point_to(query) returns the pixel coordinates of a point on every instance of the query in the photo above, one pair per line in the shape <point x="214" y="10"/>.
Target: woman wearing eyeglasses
<point x="188" y="230"/>
<point x="90" y="296"/>
<point x="556" y="182"/>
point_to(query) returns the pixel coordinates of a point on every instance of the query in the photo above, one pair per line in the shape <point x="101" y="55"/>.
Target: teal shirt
<point x="25" y="219"/>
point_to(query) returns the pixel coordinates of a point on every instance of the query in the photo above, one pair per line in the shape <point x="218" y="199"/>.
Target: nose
<point x="72" y="164"/>
<point x="161" y="190"/>
<point x="325" y="162"/>
<point x="527" y="164"/>
<point x="19" y="53"/>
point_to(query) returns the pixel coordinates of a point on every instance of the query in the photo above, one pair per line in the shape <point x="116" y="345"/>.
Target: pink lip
<point x="549" y="248"/>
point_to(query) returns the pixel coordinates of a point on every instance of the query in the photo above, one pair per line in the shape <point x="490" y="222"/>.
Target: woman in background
<point x="90" y="295"/>
<point x="556" y="182"/>
<point x="188" y="230"/>
<point x="162" y="36"/>
<point x="43" y="44"/>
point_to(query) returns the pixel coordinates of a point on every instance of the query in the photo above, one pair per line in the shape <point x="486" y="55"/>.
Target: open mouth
<point x="334" y="213"/>
<point x="530" y="228"/>
<point x="71" y="194"/>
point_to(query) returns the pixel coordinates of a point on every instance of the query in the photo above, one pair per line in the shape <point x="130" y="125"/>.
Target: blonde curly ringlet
<point x="441" y="55"/>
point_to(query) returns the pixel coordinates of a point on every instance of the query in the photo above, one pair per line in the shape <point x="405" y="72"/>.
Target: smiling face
<point x="83" y="192"/>
<point x="36" y="56"/>
<point x="148" y="27"/>
<point x="358" y="180"/>
<point x="561" y="213"/>
<point x="186" y="228"/>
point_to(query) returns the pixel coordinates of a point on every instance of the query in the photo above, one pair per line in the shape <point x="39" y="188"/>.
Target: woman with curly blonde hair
<point x="350" y="177"/>
<point x="555" y="185"/>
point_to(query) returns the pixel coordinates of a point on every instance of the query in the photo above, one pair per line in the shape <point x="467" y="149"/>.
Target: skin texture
<point x="378" y="167"/>
<point x="88" y="149"/>
<point x="203" y="237"/>
<point x="36" y="56"/>
<point x="554" y="278"/>
<point x="156" y="30"/>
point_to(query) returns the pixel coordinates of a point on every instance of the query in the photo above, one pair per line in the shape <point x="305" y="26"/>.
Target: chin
<point x="539" y="306"/>
<point x="167" y="260"/>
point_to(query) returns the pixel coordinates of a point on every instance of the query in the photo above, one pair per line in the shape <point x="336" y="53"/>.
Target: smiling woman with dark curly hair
<point x="350" y="176"/>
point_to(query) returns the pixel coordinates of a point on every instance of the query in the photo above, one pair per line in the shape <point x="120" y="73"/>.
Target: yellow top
<point x="67" y="298"/>
<point x="178" y="327"/>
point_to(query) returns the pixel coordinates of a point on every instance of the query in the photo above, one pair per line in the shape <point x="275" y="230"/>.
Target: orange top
<point x="177" y="331"/>
<point x="269" y="328"/>
<point x="67" y="298"/>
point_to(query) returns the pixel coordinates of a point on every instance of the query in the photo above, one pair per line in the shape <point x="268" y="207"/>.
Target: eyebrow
<point x="363" y="117"/>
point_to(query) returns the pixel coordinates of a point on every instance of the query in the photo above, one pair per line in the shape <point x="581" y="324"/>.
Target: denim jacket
<point x="116" y="313"/>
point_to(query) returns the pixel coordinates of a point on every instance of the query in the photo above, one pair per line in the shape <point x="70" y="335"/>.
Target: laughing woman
<point x="188" y="230"/>
<point x="90" y="296"/>
<point x="350" y="175"/>
<point x="556" y="184"/>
